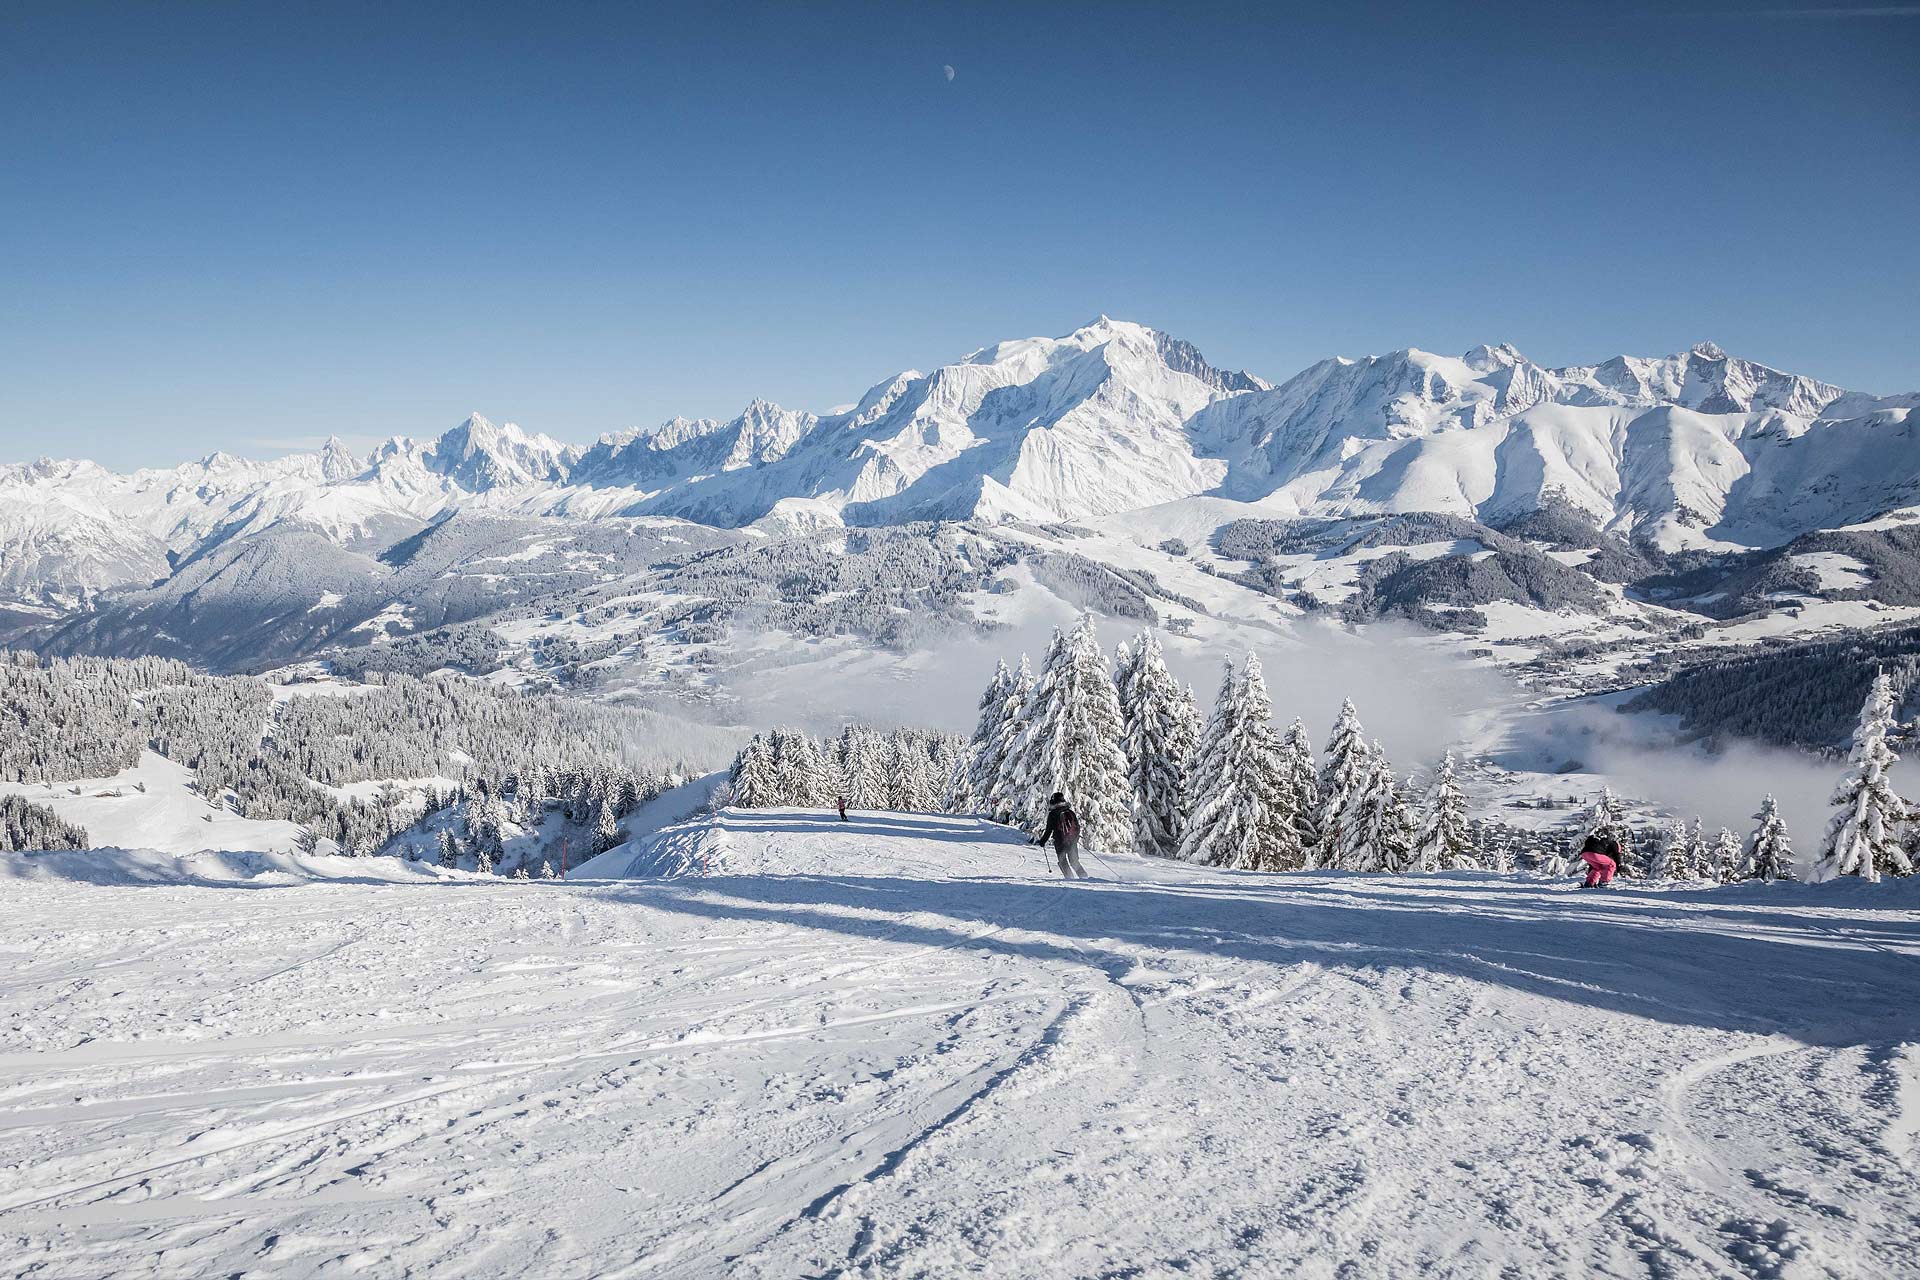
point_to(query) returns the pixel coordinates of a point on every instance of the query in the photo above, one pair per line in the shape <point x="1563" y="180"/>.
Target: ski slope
<point x="891" y="1048"/>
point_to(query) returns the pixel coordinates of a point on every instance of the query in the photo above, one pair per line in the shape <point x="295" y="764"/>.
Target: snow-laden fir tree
<point x="864" y="761"/>
<point x="1446" y="841"/>
<point x="1215" y="830"/>
<point x="946" y="770"/>
<point x="1725" y="857"/>
<point x="909" y="777"/>
<point x="986" y="748"/>
<point x="1343" y="778"/>
<point x="483" y="862"/>
<point x="486" y="825"/>
<point x="1071" y="743"/>
<point x="1669" y="858"/>
<point x="1010" y="790"/>
<point x="1698" y="853"/>
<point x="1864" y="836"/>
<point x="1303" y="787"/>
<point x="752" y="782"/>
<point x="1279" y="847"/>
<point x="1769" y="852"/>
<point x="1239" y="814"/>
<point x="1157" y="745"/>
<point x="449" y="849"/>
<point x="532" y="796"/>
<point x="800" y="772"/>
<point x="546" y="869"/>
<point x="520" y="872"/>
<point x="1376" y="831"/>
<point x="606" y="827"/>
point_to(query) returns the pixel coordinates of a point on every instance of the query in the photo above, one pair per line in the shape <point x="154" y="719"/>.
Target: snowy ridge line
<point x="1691" y="449"/>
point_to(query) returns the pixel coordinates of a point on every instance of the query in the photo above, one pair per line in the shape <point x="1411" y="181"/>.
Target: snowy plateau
<point x="295" y="750"/>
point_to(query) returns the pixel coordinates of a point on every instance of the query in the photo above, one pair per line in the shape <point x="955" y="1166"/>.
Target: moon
<point x="948" y="72"/>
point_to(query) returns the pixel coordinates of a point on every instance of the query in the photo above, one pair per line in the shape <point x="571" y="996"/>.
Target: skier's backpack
<point x="1068" y="832"/>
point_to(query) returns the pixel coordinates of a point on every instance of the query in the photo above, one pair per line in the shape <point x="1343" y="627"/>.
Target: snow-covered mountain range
<point x="1695" y="449"/>
<point x="1113" y="466"/>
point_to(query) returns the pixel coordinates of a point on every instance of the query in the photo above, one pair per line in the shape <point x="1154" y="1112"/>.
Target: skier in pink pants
<point x="1602" y="856"/>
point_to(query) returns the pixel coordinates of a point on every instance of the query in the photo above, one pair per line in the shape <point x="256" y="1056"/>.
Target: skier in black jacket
<point x="1063" y="828"/>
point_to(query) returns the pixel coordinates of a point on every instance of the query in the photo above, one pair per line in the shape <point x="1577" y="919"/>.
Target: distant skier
<point x="1063" y="828"/>
<point x="1602" y="856"/>
<point x="842" y="802"/>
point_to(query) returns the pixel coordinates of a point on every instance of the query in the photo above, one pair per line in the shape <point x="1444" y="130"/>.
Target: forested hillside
<point x="1802" y="695"/>
<point x="271" y="751"/>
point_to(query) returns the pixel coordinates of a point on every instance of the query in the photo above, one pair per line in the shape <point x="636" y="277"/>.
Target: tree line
<point x="1127" y="744"/>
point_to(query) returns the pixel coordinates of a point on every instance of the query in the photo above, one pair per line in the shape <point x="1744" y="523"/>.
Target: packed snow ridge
<point x="1695" y="449"/>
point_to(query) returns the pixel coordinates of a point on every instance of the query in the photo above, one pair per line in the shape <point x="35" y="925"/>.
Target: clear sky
<point x="248" y="226"/>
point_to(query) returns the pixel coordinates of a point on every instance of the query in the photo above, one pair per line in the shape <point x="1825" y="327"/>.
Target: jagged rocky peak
<point x="478" y="455"/>
<point x="1486" y="359"/>
<point x="337" y="461"/>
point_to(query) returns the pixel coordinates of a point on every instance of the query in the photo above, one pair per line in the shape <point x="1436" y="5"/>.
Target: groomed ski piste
<point x="770" y="1044"/>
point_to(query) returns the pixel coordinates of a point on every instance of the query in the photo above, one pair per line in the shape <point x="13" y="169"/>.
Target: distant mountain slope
<point x="1634" y="487"/>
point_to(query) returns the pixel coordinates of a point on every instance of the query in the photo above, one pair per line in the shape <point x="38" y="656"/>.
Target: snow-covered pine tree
<point x="1698" y="853"/>
<point x="606" y="827"/>
<point x="946" y="769"/>
<point x="1240" y="815"/>
<point x="986" y="749"/>
<point x="1213" y="834"/>
<point x="1303" y="788"/>
<point x="1157" y="747"/>
<point x="520" y="872"/>
<point x="486" y="822"/>
<point x="1446" y="842"/>
<point x="867" y="758"/>
<point x="1725" y="857"/>
<point x="1343" y="778"/>
<point x="1669" y="858"/>
<point x="1187" y="727"/>
<point x="532" y="795"/>
<point x="800" y="774"/>
<point x="546" y="869"/>
<point x="1769" y="852"/>
<point x="1864" y="837"/>
<point x="1072" y="740"/>
<point x="449" y="849"/>
<point x="909" y="782"/>
<point x="1277" y="836"/>
<point x="483" y="862"/>
<point x="1375" y="831"/>
<point x="1010" y="788"/>
<point x="752" y="782"/>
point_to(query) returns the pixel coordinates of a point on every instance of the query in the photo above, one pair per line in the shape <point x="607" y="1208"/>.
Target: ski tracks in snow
<point x="911" y="1057"/>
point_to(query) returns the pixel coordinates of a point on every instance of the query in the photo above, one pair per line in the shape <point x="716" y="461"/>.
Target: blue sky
<point x="248" y="226"/>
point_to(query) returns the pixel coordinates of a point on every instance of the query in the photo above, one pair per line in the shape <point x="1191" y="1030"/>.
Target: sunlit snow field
<point x="892" y="1047"/>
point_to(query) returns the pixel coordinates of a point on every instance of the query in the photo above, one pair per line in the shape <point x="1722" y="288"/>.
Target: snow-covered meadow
<point x="891" y="1047"/>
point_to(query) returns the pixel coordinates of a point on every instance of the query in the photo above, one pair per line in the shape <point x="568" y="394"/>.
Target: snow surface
<point x="169" y="814"/>
<point x="890" y="1047"/>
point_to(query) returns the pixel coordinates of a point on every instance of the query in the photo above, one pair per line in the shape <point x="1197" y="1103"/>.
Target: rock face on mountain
<point x="1695" y="450"/>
